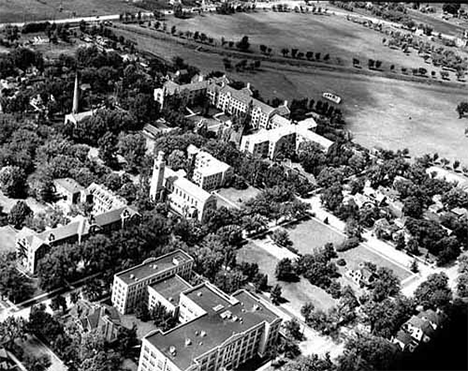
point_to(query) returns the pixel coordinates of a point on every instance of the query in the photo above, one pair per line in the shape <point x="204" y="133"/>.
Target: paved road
<point x="386" y="250"/>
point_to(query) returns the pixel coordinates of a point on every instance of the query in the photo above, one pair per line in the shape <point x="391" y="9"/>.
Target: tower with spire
<point x="157" y="180"/>
<point x="76" y="96"/>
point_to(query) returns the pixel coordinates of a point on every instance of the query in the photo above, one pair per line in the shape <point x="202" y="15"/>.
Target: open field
<point x="361" y="254"/>
<point x="237" y="196"/>
<point x="309" y="235"/>
<point x="33" y="10"/>
<point x="297" y="293"/>
<point x="382" y="112"/>
<point x="325" y="34"/>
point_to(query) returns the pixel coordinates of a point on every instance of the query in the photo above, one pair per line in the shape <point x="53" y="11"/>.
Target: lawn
<point x="237" y="196"/>
<point x="361" y="254"/>
<point x="34" y="10"/>
<point x="296" y="293"/>
<point x="311" y="234"/>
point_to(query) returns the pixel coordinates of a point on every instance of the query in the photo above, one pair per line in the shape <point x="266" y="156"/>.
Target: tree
<point x="133" y="148"/>
<point x="12" y="329"/>
<point x="19" y="213"/>
<point x="13" y="181"/>
<point x="385" y="285"/>
<point x="434" y="292"/>
<point x="414" y="266"/>
<point x="400" y="242"/>
<point x="281" y="238"/>
<point x="451" y="8"/>
<point x="332" y="197"/>
<point x="310" y="363"/>
<point x="285" y="52"/>
<point x="285" y="270"/>
<point x="275" y="294"/>
<point x="244" y="44"/>
<point x="14" y="285"/>
<point x="353" y="229"/>
<point x="413" y="207"/>
<point x="293" y="329"/>
<point x="40" y="362"/>
<point x="462" y="108"/>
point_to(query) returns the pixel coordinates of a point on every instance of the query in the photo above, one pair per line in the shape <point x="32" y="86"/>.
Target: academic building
<point x="216" y="332"/>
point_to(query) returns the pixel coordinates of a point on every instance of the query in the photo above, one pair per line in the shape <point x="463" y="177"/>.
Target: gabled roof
<point x="114" y="216"/>
<point x="71" y="185"/>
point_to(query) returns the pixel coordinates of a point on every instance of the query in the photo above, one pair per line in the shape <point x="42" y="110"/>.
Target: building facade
<point x="217" y="332"/>
<point x="183" y="196"/>
<point x="130" y="287"/>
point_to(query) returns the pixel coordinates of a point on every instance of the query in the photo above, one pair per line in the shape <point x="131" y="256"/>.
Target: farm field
<point x="297" y="293"/>
<point x="309" y="235"/>
<point x="33" y="10"/>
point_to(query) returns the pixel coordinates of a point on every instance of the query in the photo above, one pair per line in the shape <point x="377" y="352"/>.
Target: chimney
<point x="285" y="103"/>
<point x="248" y="85"/>
<point x="76" y="95"/>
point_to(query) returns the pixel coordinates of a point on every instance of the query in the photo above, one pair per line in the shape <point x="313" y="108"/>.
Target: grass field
<point x="236" y="196"/>
<point x="310" y="235"/>
<point x="33" y="10"/>
<point x="296" y="293"/>
<point x="361" y="254"/>
<point x="325" y="34"/>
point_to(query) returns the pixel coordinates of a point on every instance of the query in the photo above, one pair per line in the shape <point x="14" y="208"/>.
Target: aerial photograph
<point x="223" y="185"/>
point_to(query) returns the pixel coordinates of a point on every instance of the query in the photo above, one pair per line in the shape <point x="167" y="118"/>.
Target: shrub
<point x="341" y="262"/>
<point x="349" y="244"/>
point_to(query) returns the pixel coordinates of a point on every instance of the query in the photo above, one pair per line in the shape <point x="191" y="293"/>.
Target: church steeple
<point x="76" y="96"/>
<point x="157" y="180"/>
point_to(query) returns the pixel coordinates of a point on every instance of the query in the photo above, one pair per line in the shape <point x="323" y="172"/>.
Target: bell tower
<point x="157" y="180"/>
<point x="76" y="96"/>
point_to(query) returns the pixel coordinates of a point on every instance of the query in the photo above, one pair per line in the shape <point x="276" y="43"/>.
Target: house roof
<point x="404" y="337"/>
<point x="79" y="226"/>
<point x="422" y="324"/>
<point x="152" y="267"/>
<point x="193" y="339"/>
<point x="178" y="180"/>
<point x="113" y="216"/>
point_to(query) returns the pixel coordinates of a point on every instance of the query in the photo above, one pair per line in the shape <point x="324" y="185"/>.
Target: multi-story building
<point x="68" y="189"/>
<point x="102" y="198"/>
<point x="130" y="286"/>
<point x="217" y="332"/>
<point x="167" y="293"/>
<point x="183" y="196"/>
<point x="268" y="143"/>
<point x="31" y="247"/>
<point x="207" y="171"/>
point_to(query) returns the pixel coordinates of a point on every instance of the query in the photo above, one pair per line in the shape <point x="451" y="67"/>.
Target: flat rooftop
<point x="209" y="299"/>
<point x="151" y="267"/>
<point x="211" y="330"/>
<point x="171" y="288"/>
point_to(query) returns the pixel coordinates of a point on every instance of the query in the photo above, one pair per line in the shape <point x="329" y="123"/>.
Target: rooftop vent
<point x="199" y="293"/>
<point x="132" y="276"/>
<point x="201" y="343"/>
<point x="171" y="300"/>
<point x="255" y="307"/>
<point x="154" y="266"/>
<point x="196" y="333"/>
<point x="203" y="334"/>
<point x="188" y="342"/>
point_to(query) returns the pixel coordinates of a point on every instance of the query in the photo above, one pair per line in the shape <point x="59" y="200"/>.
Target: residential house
<point x="362" y="276"/>
<point x="98" y="317"/>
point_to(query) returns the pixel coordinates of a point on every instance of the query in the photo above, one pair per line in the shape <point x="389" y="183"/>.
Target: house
<point x="101" y="317"/>
<point x="460" y="180"/>
<point x="362" y="276"/>
<point x="182" y="195"/>
<point x="217" y="332"/>
<point x="68" y="189"/>
<point x="405" y="341"/>
<point x="383" y="228"/>
<point x="459" y="212"/>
